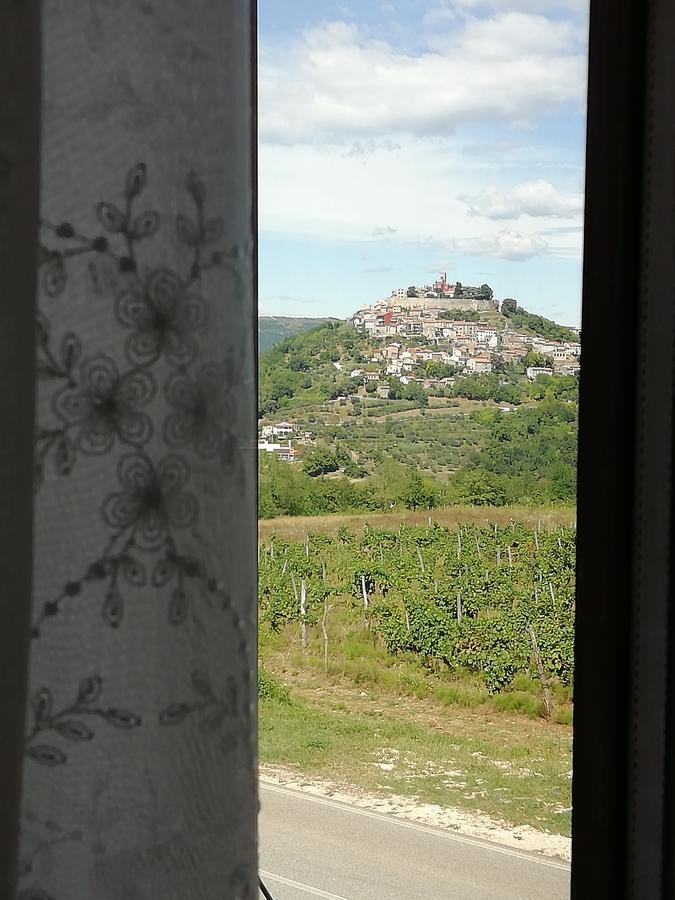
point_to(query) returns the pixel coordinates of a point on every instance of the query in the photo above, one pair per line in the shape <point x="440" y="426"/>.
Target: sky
<point x="402" y="139"/>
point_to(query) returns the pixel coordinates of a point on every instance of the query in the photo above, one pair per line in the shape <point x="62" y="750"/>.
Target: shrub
<point x="270" y="688"/>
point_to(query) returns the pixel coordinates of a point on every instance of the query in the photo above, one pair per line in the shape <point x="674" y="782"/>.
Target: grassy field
<point x="510" y="767"/>
<point x="387" y="723"/>
<point x="296" y="527"/>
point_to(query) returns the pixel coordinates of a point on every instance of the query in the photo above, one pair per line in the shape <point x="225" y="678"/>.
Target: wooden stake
<point x="364" y="591"/>
<point x="458" y="601"/>
<point x="459" y="543"/>
<point x="499" y="556"/>
<point x="419" y="556"/>
<point x="548" y="703"/>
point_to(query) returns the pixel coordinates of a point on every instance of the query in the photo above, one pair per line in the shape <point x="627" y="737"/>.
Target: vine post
<point x="548" y="703"/>
<point x="421" y="559"/>
<point x="364" y="591"/>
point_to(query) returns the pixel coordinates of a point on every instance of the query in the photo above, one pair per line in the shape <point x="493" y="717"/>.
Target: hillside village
<point x="464" y="343"/>
<point x="432" y="336"/>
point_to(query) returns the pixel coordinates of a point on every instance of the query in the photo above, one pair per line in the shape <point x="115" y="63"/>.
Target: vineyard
<point x="492" y="602"/>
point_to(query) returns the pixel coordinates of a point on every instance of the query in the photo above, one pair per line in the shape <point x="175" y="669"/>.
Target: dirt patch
<point x="472" y="824"/>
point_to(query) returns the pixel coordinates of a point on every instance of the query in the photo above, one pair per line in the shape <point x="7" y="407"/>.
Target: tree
<point x="320" y="462"/>
<point x="509" y="307"/>
<point x="480" y="488"/>
<point x="418" y="494"/>
<point x="412" y="291"/>
<point x="437" y="369"/>
<point x="416" y="394"/>
<point x="538" y="360"/>
<point x="486" y="291"/>
<point x="498" y="364"/>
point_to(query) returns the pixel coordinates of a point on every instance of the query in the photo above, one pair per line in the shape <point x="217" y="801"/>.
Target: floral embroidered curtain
<point x="138" y="746"/>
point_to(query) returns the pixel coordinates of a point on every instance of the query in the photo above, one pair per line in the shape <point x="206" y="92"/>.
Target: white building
<point x="533" y="372"/>
<point x="266" y="446"/>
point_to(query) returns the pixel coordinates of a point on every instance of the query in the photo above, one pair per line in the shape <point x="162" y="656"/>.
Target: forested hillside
<point x="272" y="329"/>
<point x="452" y="444"/>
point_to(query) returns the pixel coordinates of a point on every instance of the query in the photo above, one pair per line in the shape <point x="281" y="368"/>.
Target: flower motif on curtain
<point x="163" y="314"/>
<point x="105" y="405"/>
<point x="152" y="500"/>
<point x="202" y="404"/>
<point x="129" y="406"/>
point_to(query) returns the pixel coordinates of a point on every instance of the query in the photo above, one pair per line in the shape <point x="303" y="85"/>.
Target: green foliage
<point x="274" y="329"/>
<point x="284" y="370"/>
<point x="323" y="461"/>
<point x="419" y="494"/>
<point x="270" y="688"/>
<point x="531" y="358"/>
<point x="436" y="369"/>
<point x="486" y="457"/>
<point x="478" y="487"/>
<point x="463" y="599"/>
<point x="546" y="328"/>
<point x="460" y="315"/>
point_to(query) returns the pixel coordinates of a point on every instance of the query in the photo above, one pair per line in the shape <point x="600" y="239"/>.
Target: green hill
<point x="449" y="444"/>
<point x="272" y="329"/>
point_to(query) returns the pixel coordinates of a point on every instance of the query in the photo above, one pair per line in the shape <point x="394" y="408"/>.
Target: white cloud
<point x="409" y="195"/>
<point x="504" y="244"/>
<point x="532" y="6"/>
<point x="334" y="83"/>
<point x="531" y="198"/>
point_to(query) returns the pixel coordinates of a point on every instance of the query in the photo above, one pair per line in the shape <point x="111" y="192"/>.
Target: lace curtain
<point x="139" y="736"/>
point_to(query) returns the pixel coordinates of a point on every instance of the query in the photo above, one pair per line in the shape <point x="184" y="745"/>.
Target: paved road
<point x="316" y="847"/>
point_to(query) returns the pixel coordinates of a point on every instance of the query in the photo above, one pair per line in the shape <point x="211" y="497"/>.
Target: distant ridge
<point x="272" y="329"/>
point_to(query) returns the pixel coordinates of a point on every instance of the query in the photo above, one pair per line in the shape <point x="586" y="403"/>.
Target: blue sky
<point x="400" y="139"/>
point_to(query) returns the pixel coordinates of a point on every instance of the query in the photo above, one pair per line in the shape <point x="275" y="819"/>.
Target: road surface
<point x="316" y="847"/>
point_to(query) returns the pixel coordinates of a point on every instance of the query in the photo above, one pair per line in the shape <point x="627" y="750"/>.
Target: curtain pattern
<point x="139" y="775"/>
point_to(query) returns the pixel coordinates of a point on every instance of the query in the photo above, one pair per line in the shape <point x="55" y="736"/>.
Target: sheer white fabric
<point x="139" y="779"/>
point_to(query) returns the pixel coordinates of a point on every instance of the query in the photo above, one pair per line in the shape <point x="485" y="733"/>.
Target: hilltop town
<point x="471" y="343"/>
<point x="420" y="346"/>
